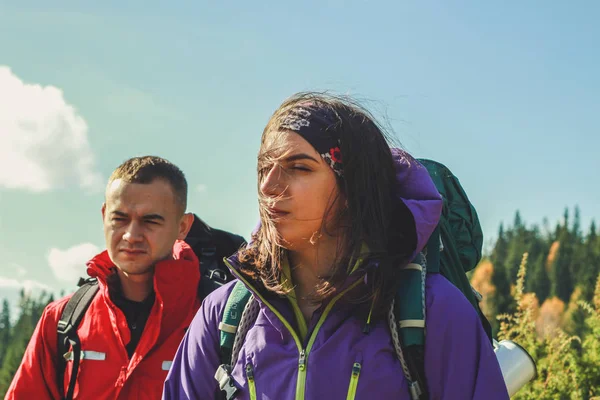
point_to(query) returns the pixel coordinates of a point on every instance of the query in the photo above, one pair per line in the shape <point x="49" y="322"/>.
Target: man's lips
<point x="132" y="251"/>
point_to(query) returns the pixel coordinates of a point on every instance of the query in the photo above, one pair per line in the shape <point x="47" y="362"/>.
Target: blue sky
<point x="506" y="94"/>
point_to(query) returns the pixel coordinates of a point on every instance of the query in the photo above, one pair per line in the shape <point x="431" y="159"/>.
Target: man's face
<point x="141" y="224"/>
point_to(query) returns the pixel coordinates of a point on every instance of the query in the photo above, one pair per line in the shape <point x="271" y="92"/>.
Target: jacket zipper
<point x="353" y="381"/>
<point x="303" y="353"/>
<point x="251" y="383"/>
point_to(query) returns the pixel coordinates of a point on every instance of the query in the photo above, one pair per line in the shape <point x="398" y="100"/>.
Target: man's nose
<point x="133" y="233"/>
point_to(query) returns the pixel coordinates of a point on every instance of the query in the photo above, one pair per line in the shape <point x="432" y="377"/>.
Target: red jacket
<point x="104" y="330"/>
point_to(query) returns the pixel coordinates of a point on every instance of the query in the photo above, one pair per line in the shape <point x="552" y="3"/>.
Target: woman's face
<point x="299" y="189"/>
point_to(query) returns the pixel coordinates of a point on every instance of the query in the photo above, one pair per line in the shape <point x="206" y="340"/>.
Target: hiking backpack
<point x="210" y="246"/>
<point x="453" y="249"/>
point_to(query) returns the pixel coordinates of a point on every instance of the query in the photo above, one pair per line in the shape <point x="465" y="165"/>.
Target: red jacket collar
<point x="183" y="269"/>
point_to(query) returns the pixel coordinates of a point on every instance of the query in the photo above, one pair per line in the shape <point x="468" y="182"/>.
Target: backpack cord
<point x="396" y="340"/>
<point x="249" y="316"/>
<point x="415" y="390"/>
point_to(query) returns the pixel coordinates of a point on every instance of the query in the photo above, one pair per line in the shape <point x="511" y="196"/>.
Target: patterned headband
<point x="317" y="126"/>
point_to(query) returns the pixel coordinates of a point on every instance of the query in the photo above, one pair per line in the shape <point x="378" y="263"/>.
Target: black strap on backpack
<point x="67" y="333"/>
<point x="211" y="246"/>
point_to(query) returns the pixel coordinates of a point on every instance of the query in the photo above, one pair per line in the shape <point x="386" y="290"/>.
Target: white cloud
<point x="201" y="188"/>
<point x="68" y="265"/>
<point x="19" y="270"/>
<point x="43" y="139"/>
<point x="10" y="290"/>
<point x="28" y="285"/>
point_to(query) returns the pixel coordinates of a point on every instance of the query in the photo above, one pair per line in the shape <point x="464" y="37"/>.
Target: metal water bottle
<point x="517" y="366"/>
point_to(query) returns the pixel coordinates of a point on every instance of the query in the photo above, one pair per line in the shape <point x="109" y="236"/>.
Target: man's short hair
<point x="146" y="169"/>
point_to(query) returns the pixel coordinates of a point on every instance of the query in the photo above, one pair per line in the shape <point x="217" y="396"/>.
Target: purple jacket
<point x="337" y="360"/>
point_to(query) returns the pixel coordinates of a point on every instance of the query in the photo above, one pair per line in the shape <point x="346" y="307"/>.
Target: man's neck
<point x="136" y="287"/>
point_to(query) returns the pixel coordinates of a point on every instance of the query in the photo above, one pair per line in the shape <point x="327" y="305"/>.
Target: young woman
<point x="341" y="213"/>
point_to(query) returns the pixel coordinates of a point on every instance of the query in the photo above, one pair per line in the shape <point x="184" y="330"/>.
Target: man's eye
<point x="118" y="219"/>
<point x="151" y="222"/>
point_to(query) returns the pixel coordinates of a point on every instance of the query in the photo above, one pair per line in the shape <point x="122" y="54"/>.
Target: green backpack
<point x="453" y="249"/>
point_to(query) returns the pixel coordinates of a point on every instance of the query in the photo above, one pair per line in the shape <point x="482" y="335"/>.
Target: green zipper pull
<point x="249" y="372"/>
<point x="251" y="384"/>
<point x="302" y="361"/>
<point x="353" y="381"/>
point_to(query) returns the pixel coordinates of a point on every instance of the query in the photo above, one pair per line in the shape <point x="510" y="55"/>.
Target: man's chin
<point x="132" y="269"/>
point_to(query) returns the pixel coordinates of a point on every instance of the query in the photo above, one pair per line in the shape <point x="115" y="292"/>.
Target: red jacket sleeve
<point x="36" y="376"/>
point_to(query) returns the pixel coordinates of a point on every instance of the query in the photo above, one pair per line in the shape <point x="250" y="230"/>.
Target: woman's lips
<point x="276" y="212"/>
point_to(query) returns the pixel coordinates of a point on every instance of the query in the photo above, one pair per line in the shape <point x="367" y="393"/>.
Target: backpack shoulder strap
<point x="67" y="333"/>
<point x="410" y="302"/>
<point x="407" y="325"/>
<point x="240" y="313"/>
<point x="232" y="315"/>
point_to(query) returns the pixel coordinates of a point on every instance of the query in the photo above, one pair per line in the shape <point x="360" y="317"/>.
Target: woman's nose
<point x="271" y="184"/>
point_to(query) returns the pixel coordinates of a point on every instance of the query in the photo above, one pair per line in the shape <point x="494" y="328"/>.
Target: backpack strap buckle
<point x="223" y="376"/>
<point x="64" y="327"/>
<point x="415" y="390"/>
<point x="218" y="276"/>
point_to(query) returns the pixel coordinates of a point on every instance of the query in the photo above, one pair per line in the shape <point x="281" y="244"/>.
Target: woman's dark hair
<point x="371" y="213"/>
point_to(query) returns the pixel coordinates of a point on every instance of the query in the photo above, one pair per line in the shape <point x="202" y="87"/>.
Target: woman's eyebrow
<point x="300" y="156"/>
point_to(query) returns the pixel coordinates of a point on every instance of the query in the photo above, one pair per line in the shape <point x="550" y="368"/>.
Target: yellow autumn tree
<point x="550" y="317"/>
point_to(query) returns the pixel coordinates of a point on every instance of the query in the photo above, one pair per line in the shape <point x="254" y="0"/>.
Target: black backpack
<point x="210" y="246"/>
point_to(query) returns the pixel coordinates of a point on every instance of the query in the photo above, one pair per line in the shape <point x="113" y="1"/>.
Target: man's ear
<point x="185" y="224"/>
<point x="103" y="210"/>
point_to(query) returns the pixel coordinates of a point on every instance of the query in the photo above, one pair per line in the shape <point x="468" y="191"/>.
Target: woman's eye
<point x="264" y="170"/>
<point x="300" y="168"/>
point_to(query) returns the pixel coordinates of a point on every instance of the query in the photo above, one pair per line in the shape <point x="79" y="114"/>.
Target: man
<point x="147" y="283"/>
